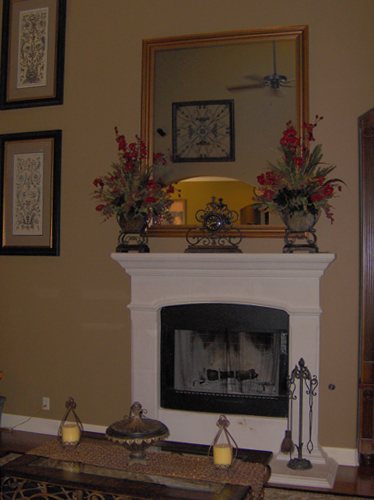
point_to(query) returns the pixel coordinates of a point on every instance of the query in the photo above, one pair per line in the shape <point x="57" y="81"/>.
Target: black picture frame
<point x="30" y="191"/>
<point x="203" y="131"/>
<point x="39" y="83"/>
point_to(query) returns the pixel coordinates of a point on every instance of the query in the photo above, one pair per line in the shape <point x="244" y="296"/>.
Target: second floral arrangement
<point x="298" y="183"/>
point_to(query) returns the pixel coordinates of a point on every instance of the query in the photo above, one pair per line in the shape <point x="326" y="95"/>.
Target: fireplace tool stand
<point x="302" y="374"/>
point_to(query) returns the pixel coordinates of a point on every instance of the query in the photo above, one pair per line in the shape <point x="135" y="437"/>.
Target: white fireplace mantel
<point x="290" y="282"/>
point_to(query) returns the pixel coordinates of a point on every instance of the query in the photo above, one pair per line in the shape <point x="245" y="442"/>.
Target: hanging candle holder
<point x="224" y="445"/>
<point x="70" y="433"/>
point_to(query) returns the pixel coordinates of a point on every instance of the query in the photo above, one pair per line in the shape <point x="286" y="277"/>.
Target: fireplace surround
<point x="288" y="282"/>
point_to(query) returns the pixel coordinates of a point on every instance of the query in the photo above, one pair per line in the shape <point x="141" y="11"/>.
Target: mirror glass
<point x="196" y="192"/>
<point x="188" y="80"/>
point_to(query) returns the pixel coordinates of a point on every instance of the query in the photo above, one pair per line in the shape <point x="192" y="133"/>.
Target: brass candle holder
<point x="224" y="445"/>
<point x="70" y="433"/>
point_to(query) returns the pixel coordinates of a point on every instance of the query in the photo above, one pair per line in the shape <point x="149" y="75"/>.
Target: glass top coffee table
<point x="58" y="479"/>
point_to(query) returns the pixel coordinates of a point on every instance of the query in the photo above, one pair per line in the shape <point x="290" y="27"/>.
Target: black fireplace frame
<point x="210" y="317"/>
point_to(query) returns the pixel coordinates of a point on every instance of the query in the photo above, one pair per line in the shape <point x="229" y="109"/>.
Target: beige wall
<point x="65" y="328"/>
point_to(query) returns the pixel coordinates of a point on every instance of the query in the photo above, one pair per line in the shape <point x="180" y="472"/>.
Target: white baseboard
<point x="40" y="425"/>
<point x="344" y="456"/>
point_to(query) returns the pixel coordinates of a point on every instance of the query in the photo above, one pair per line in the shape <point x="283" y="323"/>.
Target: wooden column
<point x="366" y="384"/>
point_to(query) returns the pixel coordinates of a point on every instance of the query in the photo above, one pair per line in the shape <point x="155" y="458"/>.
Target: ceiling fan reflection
<point x="274" y="81"/>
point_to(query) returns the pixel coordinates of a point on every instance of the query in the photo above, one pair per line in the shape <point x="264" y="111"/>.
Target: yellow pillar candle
<point x="222" y="454"/>
<point x="70" y="433"/>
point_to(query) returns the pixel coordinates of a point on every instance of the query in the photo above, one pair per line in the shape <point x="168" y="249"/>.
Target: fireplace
<point x="284" y="282"/>
<point x="224" y="358"/>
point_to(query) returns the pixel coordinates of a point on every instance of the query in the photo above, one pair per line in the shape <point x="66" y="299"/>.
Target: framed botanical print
<point x="203" y="131"/>
<point x="32" y="53"/>
<point x="30" y="193"/>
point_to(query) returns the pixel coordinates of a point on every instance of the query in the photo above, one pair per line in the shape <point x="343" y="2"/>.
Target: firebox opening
<point x="224" y="358"/>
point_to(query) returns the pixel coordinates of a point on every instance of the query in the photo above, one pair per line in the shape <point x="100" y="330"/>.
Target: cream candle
<point x="70" y="433"/>
<point x="222" y="454"/>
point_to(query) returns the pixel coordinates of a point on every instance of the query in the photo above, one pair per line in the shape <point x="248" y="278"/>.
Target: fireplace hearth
<point x="284" y="282"/>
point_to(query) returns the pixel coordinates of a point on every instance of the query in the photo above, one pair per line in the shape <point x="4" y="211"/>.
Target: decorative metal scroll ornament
<point x="304" y="376"/>
<point x="217" y="233"/>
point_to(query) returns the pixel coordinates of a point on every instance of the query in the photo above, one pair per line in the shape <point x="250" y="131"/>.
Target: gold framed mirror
<point x="221" y="67"/>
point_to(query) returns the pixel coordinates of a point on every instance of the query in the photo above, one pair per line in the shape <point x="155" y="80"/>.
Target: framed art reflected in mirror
<point x="203" y="131"/>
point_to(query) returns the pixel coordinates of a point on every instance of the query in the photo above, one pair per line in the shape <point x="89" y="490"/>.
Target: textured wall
<point x="64" y="327"/>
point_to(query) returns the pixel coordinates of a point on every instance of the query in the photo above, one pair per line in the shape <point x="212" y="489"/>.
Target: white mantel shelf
<point x="267" y="263"/>
<point x="290" y="282"/>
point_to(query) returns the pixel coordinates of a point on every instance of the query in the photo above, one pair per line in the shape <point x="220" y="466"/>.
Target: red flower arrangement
<point x="134" y="188"/>
<point x="298" y="184"/>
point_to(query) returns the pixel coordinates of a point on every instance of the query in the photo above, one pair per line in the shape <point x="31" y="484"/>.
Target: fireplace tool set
<point x="307" y="383"/>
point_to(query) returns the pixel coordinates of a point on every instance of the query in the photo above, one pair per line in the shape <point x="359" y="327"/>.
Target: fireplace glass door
<point x="224" y="358"/>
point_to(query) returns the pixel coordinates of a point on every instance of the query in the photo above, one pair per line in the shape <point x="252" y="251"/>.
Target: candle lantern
<point x="224" y="445"/>
<point x="70" y="432"/>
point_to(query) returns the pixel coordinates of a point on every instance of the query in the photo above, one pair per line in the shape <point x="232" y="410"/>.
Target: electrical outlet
<point x="45" y="403"/>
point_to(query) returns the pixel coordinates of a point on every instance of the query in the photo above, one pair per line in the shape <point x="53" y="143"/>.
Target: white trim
<point x="290" y="282"/>
<point x="344" y="456"/>
<point x="40" y="425"/>
<point x="319" y="476"/>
